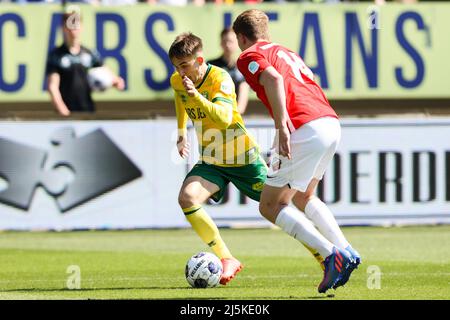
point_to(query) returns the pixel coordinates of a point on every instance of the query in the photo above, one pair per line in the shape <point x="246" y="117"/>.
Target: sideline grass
<point x="149" y="264"/>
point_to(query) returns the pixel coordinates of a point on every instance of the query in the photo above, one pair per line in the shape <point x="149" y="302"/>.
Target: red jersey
<point x="305" y="100"/>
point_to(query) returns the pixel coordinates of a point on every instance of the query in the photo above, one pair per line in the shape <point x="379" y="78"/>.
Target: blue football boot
<point x="336" y="265"/>
<point x="354" y="263"/>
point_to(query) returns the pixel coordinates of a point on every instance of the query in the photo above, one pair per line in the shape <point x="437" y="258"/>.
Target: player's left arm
<point x="242" y="98"/>
<point x="97" y="61"/>
<point x="118" y="82"/>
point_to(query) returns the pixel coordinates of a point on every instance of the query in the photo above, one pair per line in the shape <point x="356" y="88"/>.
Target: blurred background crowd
<point x="196" y="2"/>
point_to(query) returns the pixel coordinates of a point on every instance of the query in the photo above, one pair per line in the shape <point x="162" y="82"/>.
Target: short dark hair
<point x="185" y="45"/>
<point x="225" y="32"/>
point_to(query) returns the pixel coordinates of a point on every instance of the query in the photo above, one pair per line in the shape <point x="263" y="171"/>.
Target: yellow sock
<point x="207" y="230"/>
<point x="316" y="255"/>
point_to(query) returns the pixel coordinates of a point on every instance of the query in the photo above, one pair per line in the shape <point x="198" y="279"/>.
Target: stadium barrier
<point x="65" y="175"/>
<point x="356" y="50"/>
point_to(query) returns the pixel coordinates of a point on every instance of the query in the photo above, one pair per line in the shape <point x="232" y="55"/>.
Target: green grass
<point x="414" y="261"/>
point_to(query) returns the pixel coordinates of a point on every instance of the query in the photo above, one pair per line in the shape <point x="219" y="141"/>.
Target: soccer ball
<point x="203" y="270"/>
<point x="100" y="78"/>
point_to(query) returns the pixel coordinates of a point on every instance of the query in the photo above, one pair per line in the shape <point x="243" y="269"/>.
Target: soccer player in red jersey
<point x="308" y="133"/>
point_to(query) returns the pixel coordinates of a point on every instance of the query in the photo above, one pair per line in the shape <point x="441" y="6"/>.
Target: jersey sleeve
<point x="97" y="60"/>
<point x="180" y="111"/>
<point x="224" y="91"/>
<point x="251" y="64"/>
<point x="238" y="78"/>
<point x="182" y="116"/>
<point x="220" y="108"/>
<point x="52" y="64"/>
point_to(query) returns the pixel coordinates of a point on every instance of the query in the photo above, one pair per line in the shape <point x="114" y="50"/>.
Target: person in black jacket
<point x="227" y="61"/>
<point x="67" y="70"/>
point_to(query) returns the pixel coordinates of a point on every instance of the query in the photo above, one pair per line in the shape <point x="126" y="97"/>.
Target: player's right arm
<point x="182" y="143"/>
<point x="53" y="89"/>
<point x="273" y="84"/>
<point x="182" y="118"/>
<point x="256" y="69"/>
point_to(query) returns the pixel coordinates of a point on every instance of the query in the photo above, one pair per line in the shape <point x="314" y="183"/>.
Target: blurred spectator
<point x="381" y="2"/>
<point x="117" y="2"/>
<point x="67" y="68"/>
<point x="185" y="2"/>
<point x="200" y="2"/>
<point x="55" y="1"/>
<point x="227" y="61"/>
<point x="377" y="2"/>
<point x="314" y="1"/>
<point x="169" y="2"/>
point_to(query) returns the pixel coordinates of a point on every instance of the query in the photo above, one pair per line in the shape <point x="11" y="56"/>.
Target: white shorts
<point x="313" y="145"/>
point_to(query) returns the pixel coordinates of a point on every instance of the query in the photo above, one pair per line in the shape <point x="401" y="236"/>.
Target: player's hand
<point x="183" y="147"/>
<point x="189" y="86"/>
<point x="284" y="142"/>
<point x="63" y="110"/>
<point x="65" y="113"/>
<point x="119" y="83"/>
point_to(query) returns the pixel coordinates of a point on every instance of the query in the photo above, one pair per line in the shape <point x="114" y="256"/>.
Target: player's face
<point x="189" y="67"/>
<point x="229" y="43"/>
<point x="72" y="33"/>
<point x="72" y="28"/>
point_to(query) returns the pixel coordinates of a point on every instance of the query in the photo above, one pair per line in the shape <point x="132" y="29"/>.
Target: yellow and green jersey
<point x="222" y="136"/>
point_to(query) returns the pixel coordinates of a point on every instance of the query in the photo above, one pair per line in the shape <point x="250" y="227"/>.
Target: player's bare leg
<point x="273" y="199"/>
<point x="194" y="192"/>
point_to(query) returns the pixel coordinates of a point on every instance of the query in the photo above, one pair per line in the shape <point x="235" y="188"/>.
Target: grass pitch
<point x="149" y="264"/>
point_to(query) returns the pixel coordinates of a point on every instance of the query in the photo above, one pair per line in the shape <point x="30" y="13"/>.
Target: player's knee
<point x="263" y="209"/>
<point x="186" y="200"/>
<point x="300" y="201"/>
<point x="268" y="209"/>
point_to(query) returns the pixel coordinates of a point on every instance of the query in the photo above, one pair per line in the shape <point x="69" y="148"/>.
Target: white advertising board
<point x="64" y="175"/>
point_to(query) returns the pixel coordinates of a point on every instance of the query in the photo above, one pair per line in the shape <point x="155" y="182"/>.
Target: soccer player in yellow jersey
<point x="206" y="95"/>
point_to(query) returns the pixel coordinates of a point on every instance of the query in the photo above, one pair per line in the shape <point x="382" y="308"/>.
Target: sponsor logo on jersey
<point x="253" y="67"/>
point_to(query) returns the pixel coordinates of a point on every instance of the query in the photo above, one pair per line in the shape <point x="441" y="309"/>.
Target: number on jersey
<point x="297" y="65"/>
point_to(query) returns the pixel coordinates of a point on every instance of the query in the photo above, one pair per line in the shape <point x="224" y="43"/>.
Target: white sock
<point x="318" y="212"/>
<point x="298" y="226"/>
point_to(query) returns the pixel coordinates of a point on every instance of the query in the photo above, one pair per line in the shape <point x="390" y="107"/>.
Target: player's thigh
<point x="273" y="199"/>
<point x="196" y="190"/>
<point x="312" y="148"/>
